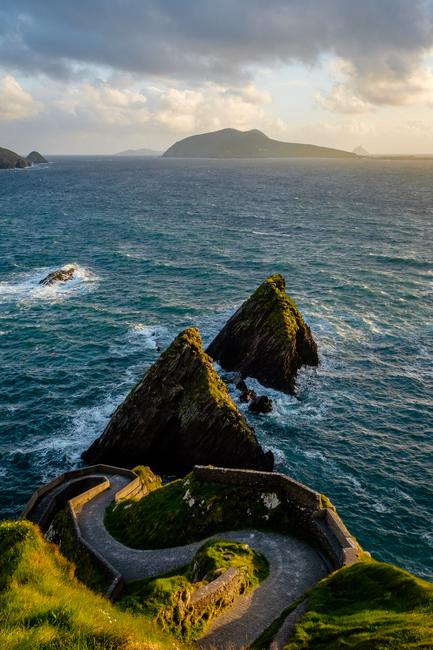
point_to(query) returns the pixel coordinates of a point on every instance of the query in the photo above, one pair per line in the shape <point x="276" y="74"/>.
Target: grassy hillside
<point x="367" y="606"/>
<point x="44" y="607"/>
<point x="187" y="510"/>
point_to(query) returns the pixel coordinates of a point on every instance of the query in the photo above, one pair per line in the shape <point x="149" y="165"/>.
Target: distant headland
<point x="138" y="152"/>
<point x="11" y="160"/>
<point x="231" y="143"/>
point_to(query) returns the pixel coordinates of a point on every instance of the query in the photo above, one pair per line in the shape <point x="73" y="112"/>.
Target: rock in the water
<point x="179" y="415"/>
<point x="261" y="404"/>
<point x="247" y="395"/>
<point x="35" y="158"/>
<point x="240" y="384"/>
<point x="266" y="338"/>
<point x="61" y="275"/>
<point x="11" y="160"/>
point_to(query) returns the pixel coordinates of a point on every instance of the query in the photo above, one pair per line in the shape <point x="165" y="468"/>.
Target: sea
<point x="162" y="244"/>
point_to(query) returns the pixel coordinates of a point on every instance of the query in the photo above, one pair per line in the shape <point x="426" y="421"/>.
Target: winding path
<point x="294" y="566"/>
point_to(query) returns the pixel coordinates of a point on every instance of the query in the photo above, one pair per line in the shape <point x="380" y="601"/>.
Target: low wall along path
<point x="295" y="565"/>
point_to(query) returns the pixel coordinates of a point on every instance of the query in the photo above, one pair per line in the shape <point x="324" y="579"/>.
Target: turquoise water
<point x="163" y="244"/>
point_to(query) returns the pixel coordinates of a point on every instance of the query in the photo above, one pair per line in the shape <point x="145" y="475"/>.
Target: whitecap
<point x="25" y="287"/>
<point x="147" y="336"/>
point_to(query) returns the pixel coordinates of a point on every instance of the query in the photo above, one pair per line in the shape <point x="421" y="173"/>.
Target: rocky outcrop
<point x="179" y="415"/>
<point x="60" y="275"/>
<point x="11" y="160"/>
<point x="266" y="338"/>
<point x="35" y="158"/>
<point x="261" y="404"/>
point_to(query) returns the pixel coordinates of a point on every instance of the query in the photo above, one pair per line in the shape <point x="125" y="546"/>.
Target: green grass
<point x="367" y="606"/>
<point x="188" y="510"/>
<point x="86" y="569"/>
<point x="44" y="607"/>
<point x="166" y="599"/>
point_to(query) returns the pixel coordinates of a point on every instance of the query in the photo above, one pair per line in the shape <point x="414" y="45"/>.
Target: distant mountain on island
<point x="139" y="152"/>
<point x="231" y="143"/>
<point x="360" y="151"/>
<point x="11" y="160"/>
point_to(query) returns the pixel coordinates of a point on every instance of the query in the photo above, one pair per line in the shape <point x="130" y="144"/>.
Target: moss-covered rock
<point x="266" y="338"/>
<point x="179" y="415"/>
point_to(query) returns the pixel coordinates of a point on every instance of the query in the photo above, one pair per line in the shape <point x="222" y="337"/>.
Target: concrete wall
<point x="303" y="506"/>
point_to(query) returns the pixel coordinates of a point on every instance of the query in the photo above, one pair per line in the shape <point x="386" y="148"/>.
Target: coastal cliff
<point x="180" y="414"/>
<point x="266" y="338"/>
<point x="11" y="160"/>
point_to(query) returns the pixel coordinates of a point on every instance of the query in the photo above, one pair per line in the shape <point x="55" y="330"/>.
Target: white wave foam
<point x="26" y="288"/>
<point x="150" y="337"/>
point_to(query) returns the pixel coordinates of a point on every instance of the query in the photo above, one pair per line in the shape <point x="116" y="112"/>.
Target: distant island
<point x="138" y="152"/>
<point x="231" y="143"/>
<point x="360" y="151"/>
<point x="11" y="160"/>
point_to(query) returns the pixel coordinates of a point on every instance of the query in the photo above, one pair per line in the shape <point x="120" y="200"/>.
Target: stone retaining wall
<point x="74" y="506"/>
<point x="303" y="506"/>
<point x="223" y="591"/>
<point x="75" y="473"/>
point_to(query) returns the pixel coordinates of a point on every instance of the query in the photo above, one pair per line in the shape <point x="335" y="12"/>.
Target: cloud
<point x="177" y="111"/>
<point x="384" y="42"/>
<point x="356" y="93"/>
<point x="15" y="102"/>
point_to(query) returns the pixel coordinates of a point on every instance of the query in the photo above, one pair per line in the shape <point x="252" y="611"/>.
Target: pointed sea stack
<point x="266" y="338"/>
<point x="180" y="415"/>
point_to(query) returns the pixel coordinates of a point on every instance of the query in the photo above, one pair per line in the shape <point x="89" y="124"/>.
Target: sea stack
<point x="180" y="415"/>
<point x="266" y="338"/>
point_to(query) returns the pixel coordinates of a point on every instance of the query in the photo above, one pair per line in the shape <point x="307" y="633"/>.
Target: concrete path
<point x="294" y="566"/>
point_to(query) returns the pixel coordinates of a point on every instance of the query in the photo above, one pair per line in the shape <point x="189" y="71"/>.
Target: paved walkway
<point x="294" y="566"/>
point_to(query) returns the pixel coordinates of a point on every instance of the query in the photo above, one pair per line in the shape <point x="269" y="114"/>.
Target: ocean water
<point x="163" y="244"/>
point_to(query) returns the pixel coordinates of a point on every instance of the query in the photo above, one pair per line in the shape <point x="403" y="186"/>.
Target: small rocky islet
<point x="180" y="414"/>
<point x="266" y="338"/>
<point x="59" y="275"/>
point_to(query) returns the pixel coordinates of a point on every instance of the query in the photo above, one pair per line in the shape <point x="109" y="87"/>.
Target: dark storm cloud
<point x="209" y="39"/>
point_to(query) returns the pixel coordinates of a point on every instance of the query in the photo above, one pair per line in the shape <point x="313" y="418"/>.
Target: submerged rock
<point x="35" y="158"/>
<point x="247" y="395"/>
<point x="261" y="404"/>
<point x="266" y="338"/>
<point x="179" y="415"/>
<point x="61" y="275"/>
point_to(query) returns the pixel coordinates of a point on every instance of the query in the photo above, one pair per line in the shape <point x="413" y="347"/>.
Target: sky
<point x="91" y="76"/>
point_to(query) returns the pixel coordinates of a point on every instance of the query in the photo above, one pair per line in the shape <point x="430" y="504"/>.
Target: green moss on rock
<point x="178" y="415"/>
<point x="266" y="338"/>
